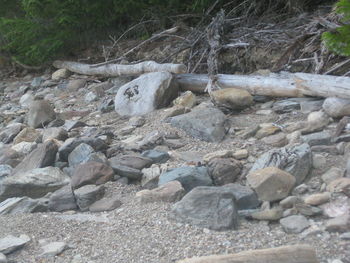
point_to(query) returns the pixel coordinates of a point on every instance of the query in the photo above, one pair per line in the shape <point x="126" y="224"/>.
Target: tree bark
<point x="114" y="70"/>
<point x="287" y="254"/>
<point x="275" y="85"/>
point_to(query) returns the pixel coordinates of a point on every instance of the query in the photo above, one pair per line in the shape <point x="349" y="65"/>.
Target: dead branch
<point x="113" y="70"/>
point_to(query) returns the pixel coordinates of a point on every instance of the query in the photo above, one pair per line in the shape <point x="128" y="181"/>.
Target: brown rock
<point x="40" y="113"/>
<point x="318" y="199"/>
<point x="339" y="185"/>
<point x="91" y="173"/>
<point x="266" y="131"/>
<point x="169" y="192"/>
<point x="339" y="224"/>
<point x="271" y="183"/>
<point x="231" y="98"/>
<point x="224" y="170"/>
<point x="27" y="135"/>
<point x="105" y="204"/>
<point x="277" y="140"/>
<point x="268" y="215"/>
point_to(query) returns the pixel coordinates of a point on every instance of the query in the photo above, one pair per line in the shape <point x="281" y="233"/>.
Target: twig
<point x="168" y="31"/>
<point x="337" y="66"/>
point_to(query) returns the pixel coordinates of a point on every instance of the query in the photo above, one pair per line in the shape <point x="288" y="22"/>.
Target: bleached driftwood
<point x="287" y="254"/>
<point x="113" y="70"/>
<point x="276" y="85"/>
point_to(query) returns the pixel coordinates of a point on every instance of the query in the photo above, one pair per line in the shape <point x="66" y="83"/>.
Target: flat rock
<point x="44" y="155"/>
<point x="33" y="183"/>
<point x="208" y="207"/>
<point x="132" y="161"/>
<point x="27" y="135"/>
<point x="10" y="243"/>
<point x="224" y="170"/>
<point x="296" y="160"/>
<point x="23" y="205"/>
<point x="105" y="204"/>
<point x="87" y="195"/>
<point x="273" y="214"/>
<point x="145" y="94"/>
<point x="56" y="133"/>
<point x="294" y="224"/>
<point x="339" y="224"/>
<point x="318" y="138"/>
<point x="271" y="183"/>
<point x="9" y="133"/>
<point x="53" y="249"/>
<point x="62" y="200"/>
<point x="189" y="177"/>
<point x="231" y="98"/>
<point x="284" y="106"/>
<point x="40" y="113"/>
<point x="156" y="156"/>
<point x="332" y="174"/>
<point x="336" y="107"/>
<point x="169" y="192"/>
<point x="125" y="171"/>
<point x="276" y="140"/>
<point x="317" y="199"/>
<point x="310" y="106"/>
<point x="91" y="173"/>
<point x="204" y="123"/>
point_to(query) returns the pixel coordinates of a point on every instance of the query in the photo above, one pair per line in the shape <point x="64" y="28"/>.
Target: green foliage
<point x="339" y="41"/>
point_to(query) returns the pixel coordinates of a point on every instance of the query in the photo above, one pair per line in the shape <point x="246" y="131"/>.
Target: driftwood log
<point x="287" y="254"/>
<point x="276" y="85"/>
<point x="114" y="70"/>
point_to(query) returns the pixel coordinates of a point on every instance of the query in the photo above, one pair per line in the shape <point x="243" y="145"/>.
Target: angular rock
<point x="23" y="205"/>
<point x="132" y="161"/>
<point x="296" y="160"/>
<point x="71" y="143"/>
<point x="231" y="98"/>
<point x="24" y="147"/>
<point x="62" y="199"/>
<point x="5" y="170"/>
<point x="266" y="130"/>
<point x="332" y="174"/>
<point x="10" y="243"/>
<point x="204" y="123"/>
<point x="72" y="124"/>
<point x="156" y="156"/>
<point x="276" y="140"/>
<point x="316" y="121"/>
<point x="245" y="197"/>
<point x="271" y="183"/>
<point x="294" y="224"/>
<point x="10" y="157"/>
<point x="26" y="100"/>
<point x="27" y="135"/>
<point x="87" y="195"/>
<point x="318" y="138"/>
<point x="54" y="133"/>
<point x="105" y="204"/>
<point x="224" y="171"/>
<point x="90" y="97"/>
<point x="290" y="201"/>
<point x="339" y="185"/>
<point x="60" y="74"/>
<point x="33" y="183"/>
<point x="44" y="155"/>
<point x="40" y="113"/>
<point x="310" y="106"/>
<point x="284" y="106"/>
<point x="145" y="94"/>
<point x="91" y="173"/>
<point x="189" y="177"/>
<point x="81" y="154"/>
<point x="137" y="121"/>
<point x="208" y="207"/>
<point x="53" y="249"/>
<point x="169" y="192"/>
<point x="150" y="177"/>
<point x="10" y="132"/>
<point x="336" y="107"/>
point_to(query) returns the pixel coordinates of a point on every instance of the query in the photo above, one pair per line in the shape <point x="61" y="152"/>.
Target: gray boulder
<point x="62" y="199"/>
<point x="189" y="177"/>
<point x="84" y="153"/>
<point x="245" y="197"/>
<point x="204" y="123"/>
<point x="156" y="156"/>
<point x="294" y="224"/>
<point x="33" y="183"/>
<point x="296" y="160"/>
<point x="209" y="207"/>
<point x="9" y="133"/>
<point x="224" y="170"/>
<point x="132" y="161"/>
<point x="22" y="205"/>
<point x="40" y="113"/>
<point x="87" y="195"/>
<point x="145" y="94"/>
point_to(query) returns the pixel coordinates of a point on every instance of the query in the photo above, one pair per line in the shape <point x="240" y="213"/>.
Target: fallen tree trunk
<point x="287" y="254"/>
<point x="114" y="70"/>
<point x="276" y="85"/>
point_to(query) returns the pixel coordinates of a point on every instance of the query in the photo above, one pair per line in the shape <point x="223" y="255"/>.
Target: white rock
<point x="336" y="107"/>
<point x="10" y="243"/>
<point x="24" y="147"/>
<point x="53" y="249"/>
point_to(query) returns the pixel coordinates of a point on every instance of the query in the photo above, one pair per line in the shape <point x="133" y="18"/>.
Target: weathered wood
<point x="113" y="70"/>
<point x="287" y="254"/>
<point x="275" y="85"/>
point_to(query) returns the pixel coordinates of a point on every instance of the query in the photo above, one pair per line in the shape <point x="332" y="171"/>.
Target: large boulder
<point x="145" y="94"/>
<point x="189" y="177"/>
<point x="209" y="207"/>
<point x="204" y="123"/>
<point x="84" y="153"/>
<point x="232" y="99"/>
<point x="91" y="173"/>
<point x="40" y="113"/>
<point x="337" y="107"/>
<point x="245" y="197"/>
<point x="33" y="183"/>
<point x="296" y="160"/>
<point x="271" y="183"/>
<point x="44" y="155"/>
<point x="62" y="199"/>
<point x="87" y="195"/>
